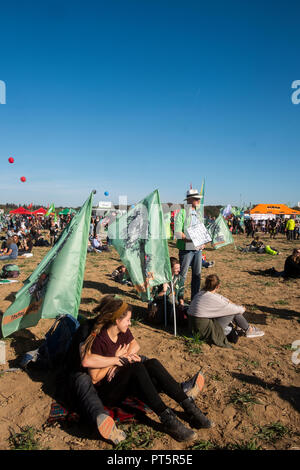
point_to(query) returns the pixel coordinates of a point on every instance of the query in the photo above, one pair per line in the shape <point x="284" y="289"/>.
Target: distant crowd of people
<point x="20" y="233"/>
<point x="104" y="366"/>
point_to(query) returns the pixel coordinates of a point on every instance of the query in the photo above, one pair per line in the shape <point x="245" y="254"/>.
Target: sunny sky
<point x="129" y="96"/>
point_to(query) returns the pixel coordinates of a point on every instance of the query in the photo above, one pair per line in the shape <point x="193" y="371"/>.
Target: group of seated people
<point x="258" y="246"/>
<point x="15" y="246"/>
<point x="104" y="367"/>
<point x="217" y="320"/>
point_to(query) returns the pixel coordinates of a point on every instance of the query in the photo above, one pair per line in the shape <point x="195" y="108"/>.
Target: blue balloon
<point x="106" y="193"/>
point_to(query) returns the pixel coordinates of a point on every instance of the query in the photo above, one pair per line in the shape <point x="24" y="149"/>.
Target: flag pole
<point x="174" y="308"/>
<point x="165" y="306"/>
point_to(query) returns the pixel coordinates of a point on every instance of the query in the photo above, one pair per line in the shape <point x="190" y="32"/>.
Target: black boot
<point x="174" y="427"/>
<point x="197" y="418"/>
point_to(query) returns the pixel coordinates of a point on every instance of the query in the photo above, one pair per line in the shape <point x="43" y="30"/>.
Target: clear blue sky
<point x="128" y="96"/>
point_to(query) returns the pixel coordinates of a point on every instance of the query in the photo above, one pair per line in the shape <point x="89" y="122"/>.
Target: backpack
<point x="10" y="271"/>
<point x="52" y="352"/>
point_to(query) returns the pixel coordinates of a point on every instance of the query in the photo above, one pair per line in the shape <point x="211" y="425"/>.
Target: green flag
<point x="219" y="232"/>
<point x="202" y="191"/>
<point x="139" y="237"/>
<point x="167" y="219"/>
<point x="55" y="285"/>
<point x="50" y="210"/>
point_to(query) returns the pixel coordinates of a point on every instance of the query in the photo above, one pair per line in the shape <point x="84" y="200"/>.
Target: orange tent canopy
<point x="278" y="209"/>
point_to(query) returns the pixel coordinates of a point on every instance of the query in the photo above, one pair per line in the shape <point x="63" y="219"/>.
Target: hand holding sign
<point x="199" y="235"/>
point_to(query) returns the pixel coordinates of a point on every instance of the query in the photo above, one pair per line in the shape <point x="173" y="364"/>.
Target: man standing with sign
<point x="191" y="237"/>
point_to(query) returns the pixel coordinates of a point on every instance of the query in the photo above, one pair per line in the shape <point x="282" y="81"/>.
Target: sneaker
<point x="227" y="330"/>
<point x="108" y="429"/>
<point x="211" y="264"/>
<point x="193" y="386"/>
<point x="253" y="332"/>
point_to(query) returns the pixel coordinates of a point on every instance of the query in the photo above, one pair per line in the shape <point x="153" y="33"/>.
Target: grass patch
<point x="217" y="378"/>
<point x="244" y="445"/>
<point x="242" y="399"/>
<point x="273" y="347"/>
<point x="24" y="440"/>
<point x="248" y="362"/>
<point x="281" y="302"/>
<point x="138" y="436"/>
<point x="202" y="445"/>
<point x="194" y="344"/>
<point x="287" y="347"/>
<point x="273" y="432"/>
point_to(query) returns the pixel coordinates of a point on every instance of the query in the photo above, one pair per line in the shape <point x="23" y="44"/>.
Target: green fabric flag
<point x="50" y="210"/>
<point x="139" y="237"/>
<point x="55" y="286"/>
<point x="167" y="219"/>
<point x="67" y="211"/>
<point x="202" y="192"/>
<point x="219" y="232"/>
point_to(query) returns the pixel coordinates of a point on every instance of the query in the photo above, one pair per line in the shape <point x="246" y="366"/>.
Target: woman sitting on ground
<point x="121" y="275"/>
<point x="211" y="314"/>
<point x="291" y="267"/>
<point x="138" y="376"/>
<point x="11" y="250"/>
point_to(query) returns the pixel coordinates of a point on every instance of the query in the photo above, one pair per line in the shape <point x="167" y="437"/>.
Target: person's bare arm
<point x="133" y="348"/>
<point x="98" y="374"/>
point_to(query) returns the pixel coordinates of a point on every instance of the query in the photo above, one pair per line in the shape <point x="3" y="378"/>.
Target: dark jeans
<point x="81" y="396"/>
<point x="192" y="258"/>
<point x="142" y="380"/>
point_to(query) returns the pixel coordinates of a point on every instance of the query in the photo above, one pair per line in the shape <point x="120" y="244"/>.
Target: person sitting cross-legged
<point x="211" y="315"/>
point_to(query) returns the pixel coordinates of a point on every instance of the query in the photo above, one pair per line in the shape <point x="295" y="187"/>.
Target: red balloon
<point x="11" y="160"/>
<point x="23" y="179"/>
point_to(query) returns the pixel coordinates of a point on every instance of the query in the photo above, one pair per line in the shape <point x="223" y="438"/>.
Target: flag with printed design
<point x="55" y="286"/>
<point x="219" y="232"/>
<point x="139" y="236"/>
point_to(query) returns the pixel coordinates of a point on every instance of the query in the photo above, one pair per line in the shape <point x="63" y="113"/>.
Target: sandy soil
<point x="247" y="389"/>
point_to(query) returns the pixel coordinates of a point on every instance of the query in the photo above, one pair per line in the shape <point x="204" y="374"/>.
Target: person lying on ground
<point x="121" y="275"/>
<point x="291" y="267"/>
<point x="257" y="246"/>
<point x="11" y="249"/>
<point x="210" y="314"/>
<point x="156" y="307"/>
<point x="138" y="376"/>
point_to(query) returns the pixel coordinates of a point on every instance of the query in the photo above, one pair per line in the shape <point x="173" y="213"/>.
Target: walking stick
<point x="165" y="306"/>
<point x="174" y="308"/>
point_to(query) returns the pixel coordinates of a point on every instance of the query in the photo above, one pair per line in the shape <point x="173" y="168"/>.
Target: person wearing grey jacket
<point x="209" y="305"/>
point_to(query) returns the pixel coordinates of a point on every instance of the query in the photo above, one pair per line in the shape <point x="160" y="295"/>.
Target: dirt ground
<point x="251" y="392"/>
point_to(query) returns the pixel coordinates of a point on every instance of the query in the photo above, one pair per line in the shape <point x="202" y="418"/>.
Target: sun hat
<point x="193" y="193"/>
